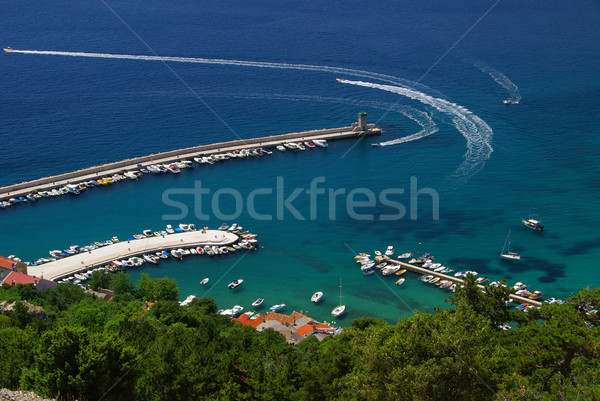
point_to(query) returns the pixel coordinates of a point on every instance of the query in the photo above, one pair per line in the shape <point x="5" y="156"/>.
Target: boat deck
<point x="126" y="249"/>
<point x="423" y="270"/>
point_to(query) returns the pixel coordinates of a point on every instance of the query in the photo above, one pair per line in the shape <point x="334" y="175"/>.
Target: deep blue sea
<point x="434" y="73"/>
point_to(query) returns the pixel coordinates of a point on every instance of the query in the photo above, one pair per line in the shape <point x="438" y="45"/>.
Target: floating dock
<point x="423" y="270"/>
<point x="356" y="130"/>
<point x="125" y="249"/>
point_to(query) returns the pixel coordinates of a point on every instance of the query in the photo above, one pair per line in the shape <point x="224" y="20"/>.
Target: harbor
<point x="102" y="256"/>
<point x="130" y="168"/>
<point x="439" y="275"/>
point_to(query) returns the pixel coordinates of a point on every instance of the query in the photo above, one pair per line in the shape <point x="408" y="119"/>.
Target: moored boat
<point x="258" y="302"/>
<point x="277" y="307"/>
<point x="341" y="308"/>
<point x="204" y="281"/>
<point x="400" y="281"/>
<point x="235" y="283"/>
<point x="316" y="296"/>
<point x="533" y="223"/>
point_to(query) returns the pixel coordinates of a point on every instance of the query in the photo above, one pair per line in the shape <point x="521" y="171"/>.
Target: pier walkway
<point x="126" y="249"/>
<point x="423" y="270"/>
<point x="96" y="172"/>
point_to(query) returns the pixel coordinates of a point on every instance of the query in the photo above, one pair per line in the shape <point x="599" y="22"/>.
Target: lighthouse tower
<point x="361" y="124"/>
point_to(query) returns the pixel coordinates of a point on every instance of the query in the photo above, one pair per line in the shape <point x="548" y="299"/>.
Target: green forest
<point x="81" y="347"/>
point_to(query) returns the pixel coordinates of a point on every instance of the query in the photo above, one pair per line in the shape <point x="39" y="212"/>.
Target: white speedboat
<point x="400" y="281"/>
<point x="281" y="148"/>
<point x="277" y="307"/>
<point x="389" y="251"/>
<point x="184" y="227"/>
<point x="237" y="309"/>
<point x="367" y="266"/>
<point x="170" y="229"/>
<point x="235" y="283"/>
<point x="204" y="281"/>
<point x="316" y="296"/>
<point x="150" y="258"/>
<point x="322" y="143"/>
<point x="176" y="254"/>
<point x="386" y="271"/>
<point x="258" y="302"/>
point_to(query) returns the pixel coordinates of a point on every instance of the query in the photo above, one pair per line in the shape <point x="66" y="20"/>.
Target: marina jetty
<point x="356" y="130"/>
<point x="442" y="276"/>
<point x="102" y="256"/>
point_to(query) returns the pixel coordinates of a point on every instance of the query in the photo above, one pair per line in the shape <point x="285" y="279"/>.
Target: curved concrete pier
<point x="126" y="249"/>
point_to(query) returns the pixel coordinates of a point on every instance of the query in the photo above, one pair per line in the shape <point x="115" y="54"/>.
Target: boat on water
<point x="309" y="144"/>
<point x="533" y="223"/>
<point x="508" y="255"/>
<point x="341" y="308"/>
<point x="401" y="272"/>
<point x="405" y="255"/>
<point x="280" y="148"/>
<point x="235" y="283"/>
<point x="376" y="144"/>
<point x="316" y="297"/>
<point x="8" y="49"/>
<point x="362" y="255"/>
<point x="322" y="143"/>
<point x="367" y="266"/>
<point x="258" y="302"/>
<point x="386" y="271"/>
<point x="277" y="307"/>
<point x="204" y="281"/>
<point x="389" y="251"/>
<point x="400" y="281"/>
<point x="368" y="272"/>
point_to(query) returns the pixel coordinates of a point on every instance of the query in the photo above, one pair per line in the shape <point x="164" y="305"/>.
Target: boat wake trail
<point x="476" y="131"/>
<point x="428" y="127"/>
<point x="239" y="63"/>
<point x="502" y="80"/>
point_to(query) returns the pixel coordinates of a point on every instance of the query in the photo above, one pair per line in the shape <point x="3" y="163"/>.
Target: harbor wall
<point x="174" y="155"/>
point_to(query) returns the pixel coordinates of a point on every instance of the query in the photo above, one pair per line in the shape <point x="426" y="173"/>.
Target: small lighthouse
<point x="361" y="124"/>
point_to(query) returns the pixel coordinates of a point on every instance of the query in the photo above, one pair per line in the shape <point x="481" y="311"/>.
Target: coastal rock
<point x="9" y="395"/>
<point x="36" y="311"/>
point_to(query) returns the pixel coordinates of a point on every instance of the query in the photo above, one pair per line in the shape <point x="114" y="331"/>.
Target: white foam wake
<point x="428" y="127"/>
<point x="476" y="131"/>
<point x="239" y="63"/>
<point x="502" y="80"/>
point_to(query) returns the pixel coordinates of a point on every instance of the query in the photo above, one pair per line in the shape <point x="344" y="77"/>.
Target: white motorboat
<point x="281" y="148"/>
<point x="322" y="143"/>
<point x="367" y="266"/>
<point x="400" y="281"/>
<point x="223" y="227"/>
<point x="237" y="309"/>
<point x="258" y="302"/>
<point x="150" y="258"/>
<point x="277" y="307"/>
<point x="508" y="255"/>
<point x="390" y="270"/>
<point x="184" y="227"/>
<point x="176" y="254"/>
<point x="341" y="308"/>
<point x="316" y="297"/>
<point x="204" y="281"/>
<point x="170" y="229"/>
<point x="235" y="283"/>
<point x="389" y="251"/>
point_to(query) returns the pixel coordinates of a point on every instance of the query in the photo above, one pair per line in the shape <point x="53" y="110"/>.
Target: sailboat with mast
<point x="533" y="223"/>
<point x="341" y="308"/>
<point x="508" y="255"/>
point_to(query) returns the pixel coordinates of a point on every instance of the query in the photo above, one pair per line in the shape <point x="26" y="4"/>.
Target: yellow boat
<point x="8" y="49"/>
<point x="101" y="181"/>
<point x="401" y="272"/>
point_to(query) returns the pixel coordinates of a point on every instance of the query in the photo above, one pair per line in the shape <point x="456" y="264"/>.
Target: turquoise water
<point x="64" y="113"/>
